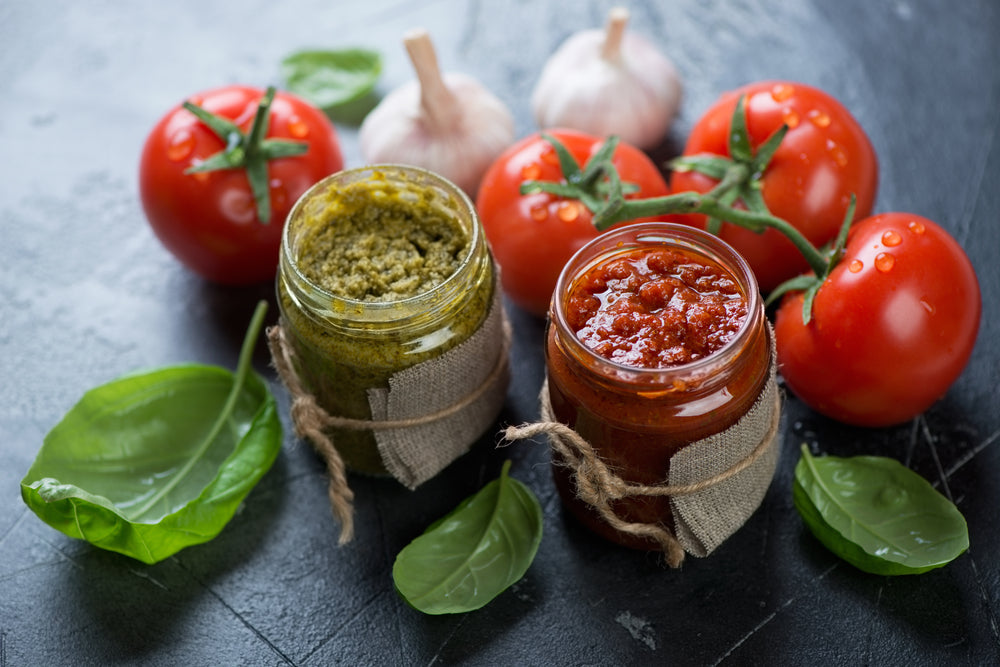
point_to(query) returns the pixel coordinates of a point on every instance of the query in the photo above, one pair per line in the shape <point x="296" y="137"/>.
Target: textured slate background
<point x="87" y="293"/>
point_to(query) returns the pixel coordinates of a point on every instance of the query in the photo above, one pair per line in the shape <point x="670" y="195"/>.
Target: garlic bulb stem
<point x="439" y="104"/>
<point x="611" y="49"/>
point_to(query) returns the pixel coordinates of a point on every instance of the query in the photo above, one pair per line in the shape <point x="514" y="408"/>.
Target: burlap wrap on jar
<point x="714" y="484"/>
<point x="428" y="416"/>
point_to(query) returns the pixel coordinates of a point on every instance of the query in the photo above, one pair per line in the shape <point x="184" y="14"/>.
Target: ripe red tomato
<point x="209" y="220"/>
<point x="824" y="157"/>
<point x="892" y="327"/>
<point x="533" y="235"/>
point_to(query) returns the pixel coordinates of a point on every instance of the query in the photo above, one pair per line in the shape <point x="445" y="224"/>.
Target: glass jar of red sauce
<point x="679" y="351"/>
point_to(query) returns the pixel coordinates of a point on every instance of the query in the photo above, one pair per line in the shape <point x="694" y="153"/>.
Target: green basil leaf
<point x="153" y="462"/>
<point x="472" y="554"/>
<point x="877" y="514"/>
<point x="331" y="78"/>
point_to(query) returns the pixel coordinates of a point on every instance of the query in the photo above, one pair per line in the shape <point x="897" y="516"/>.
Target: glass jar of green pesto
<point x="385" y="269"/>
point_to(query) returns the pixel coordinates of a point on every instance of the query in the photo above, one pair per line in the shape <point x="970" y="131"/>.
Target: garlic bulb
<point x="609" y="82"/>
<point x="447" y="123"/>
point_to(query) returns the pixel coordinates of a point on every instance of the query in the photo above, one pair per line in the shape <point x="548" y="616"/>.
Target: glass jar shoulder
<point x="409" y="336"/>
<point x="680" y="405"/>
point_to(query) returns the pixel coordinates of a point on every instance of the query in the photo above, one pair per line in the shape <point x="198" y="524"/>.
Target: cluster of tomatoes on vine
<point x="876" y="314"/>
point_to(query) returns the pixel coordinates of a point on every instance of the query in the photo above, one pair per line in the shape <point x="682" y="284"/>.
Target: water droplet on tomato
<point x="297" y="127"/>
<point x="916" y="227"/>
<point x="819" y="118"/>
<point x="540" y="212"/>
<point x="884" y="261"/>
<point x="549" y="156"/>
<point x="790" y="117"/>
<point x="855" y="266"/>
<point x="891" y="238"/>
<point x="279" y="195"/>
<point x="568" y="211"/>
<point x="837" y="153"/>
<point x="781" y="92"/>
<point x="238" y="206"/>
<point x="200" y="176"/>
<point x="181" y="145"/>
<point x="928" y="306"/>
<point x="531" y="172"/>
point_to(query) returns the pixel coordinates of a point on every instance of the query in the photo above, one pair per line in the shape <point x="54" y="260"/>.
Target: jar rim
<point x="649" y="234"/>
<point x="384" y="172"/>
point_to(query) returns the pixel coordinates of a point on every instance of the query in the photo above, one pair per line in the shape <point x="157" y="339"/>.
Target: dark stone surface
<point x="87" y="293"/>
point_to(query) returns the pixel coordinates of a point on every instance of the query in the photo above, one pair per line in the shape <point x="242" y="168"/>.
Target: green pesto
<point x="379" y="246"/>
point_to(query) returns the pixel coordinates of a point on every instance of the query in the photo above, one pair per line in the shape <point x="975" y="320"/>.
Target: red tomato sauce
<point x="656" y="308"/>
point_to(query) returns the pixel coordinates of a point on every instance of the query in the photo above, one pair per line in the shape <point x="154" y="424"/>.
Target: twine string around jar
<point x="311" y="422"/>
<point x="598" y="486"/>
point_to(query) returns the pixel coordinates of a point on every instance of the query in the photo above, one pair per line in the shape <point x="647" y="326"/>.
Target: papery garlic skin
<point x="447" y="123"/>
<point x="634" y="93"/>
<point x="397" y="131"/>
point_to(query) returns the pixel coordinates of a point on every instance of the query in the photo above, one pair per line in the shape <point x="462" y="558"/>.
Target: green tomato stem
<point x="250" y="152"/>
<point x="709" y="204"/>
<point x="736" y="175"/>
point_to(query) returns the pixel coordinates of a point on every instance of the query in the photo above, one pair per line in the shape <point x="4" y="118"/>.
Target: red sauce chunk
<point x="656" y="308"/>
